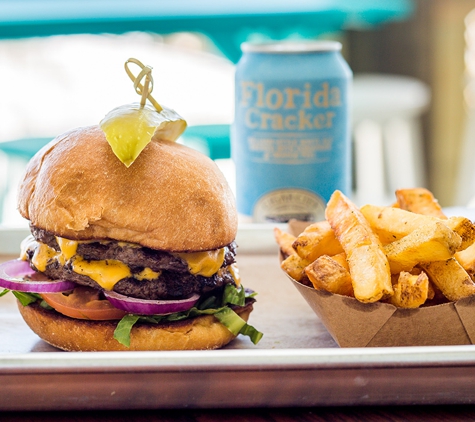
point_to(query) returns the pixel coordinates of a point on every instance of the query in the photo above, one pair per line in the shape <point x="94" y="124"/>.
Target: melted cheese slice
<point x="107" y="273"/>
<point x="68" y="249"/>
<point x="234" y="270"/>
<point x="204" y="263"/>
<point x="147" y="274"/>
<point x="43" y="256"/>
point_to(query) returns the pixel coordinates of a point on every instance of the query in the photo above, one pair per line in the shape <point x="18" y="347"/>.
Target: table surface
<point x="363" y="414"/>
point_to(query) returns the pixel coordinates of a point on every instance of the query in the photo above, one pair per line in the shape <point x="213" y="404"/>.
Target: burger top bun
<point x="172" y="197"/>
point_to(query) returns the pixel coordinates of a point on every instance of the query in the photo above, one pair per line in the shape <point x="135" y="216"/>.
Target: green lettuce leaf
<point x="234" y="323"/>
<point x="209" y="302"/>
<point x="252" y="333"/>
<point x="208" y="306"/>
<point x="45" y="305"/>
<point x="123" y="329"/>
<point x="26" y="298"/>
<point x="234" y="296"/>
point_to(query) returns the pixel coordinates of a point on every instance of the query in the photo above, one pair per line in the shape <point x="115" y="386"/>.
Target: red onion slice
<point x="150" y="307"/>
<point x="13" y="273"/>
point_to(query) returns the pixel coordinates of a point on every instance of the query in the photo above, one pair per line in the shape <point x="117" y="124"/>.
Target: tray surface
<point x="297" y="363"/>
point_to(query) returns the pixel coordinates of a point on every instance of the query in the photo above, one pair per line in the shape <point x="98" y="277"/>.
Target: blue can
<point x="290" y="139"/>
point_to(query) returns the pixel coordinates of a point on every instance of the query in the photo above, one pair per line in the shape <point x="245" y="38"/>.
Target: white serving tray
<point x="297" y="363"/>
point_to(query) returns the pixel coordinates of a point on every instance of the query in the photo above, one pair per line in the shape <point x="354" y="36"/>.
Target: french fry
<point x="428" y="256"/>
<point x="410" y="290"/>
<point x="450" y="278"/>
<point x="368" y="264"/>
<point x="341" y="259"/>
<point x="431" y="242"/>
<point x="466" y="259"/>
<point x="464" y="228"/>
<point x="431" y="289"/>
<point x="325" y="273"/>
<point x="419" y="201"/>
<point x="316" y="240"/>
<point x="294" y="266"/>
<point x="284" y="240"/>
<point x="391" y="224"/>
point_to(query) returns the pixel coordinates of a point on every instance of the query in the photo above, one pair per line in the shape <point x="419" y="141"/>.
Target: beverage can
<point x="290" y="139"/>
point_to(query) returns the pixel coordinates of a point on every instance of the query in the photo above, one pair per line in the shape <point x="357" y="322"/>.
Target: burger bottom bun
<point x="200" y="333"/>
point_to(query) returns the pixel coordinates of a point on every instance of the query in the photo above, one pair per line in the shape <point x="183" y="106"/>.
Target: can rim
<point x="284" y="47"/>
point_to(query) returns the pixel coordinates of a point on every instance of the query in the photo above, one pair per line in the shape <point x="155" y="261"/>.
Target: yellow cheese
<point x="147" y="274"/>
<point x="204" y="263"/>
<point x="68" y="249"/>
<point x="234" y="271"/>
<point x="106" y="273"/>
<point x="43" y="256"/>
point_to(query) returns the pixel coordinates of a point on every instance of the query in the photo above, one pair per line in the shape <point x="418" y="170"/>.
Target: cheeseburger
<point x="128" y="258"/>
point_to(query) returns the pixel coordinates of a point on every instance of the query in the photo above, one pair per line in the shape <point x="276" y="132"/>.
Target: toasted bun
<point x="171" y="198"/>
<point x="200" y="333"/>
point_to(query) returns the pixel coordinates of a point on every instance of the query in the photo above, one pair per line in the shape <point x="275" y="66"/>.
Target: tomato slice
<point x="83" y="303"/>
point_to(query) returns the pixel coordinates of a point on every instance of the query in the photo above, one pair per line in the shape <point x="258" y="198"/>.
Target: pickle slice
<point x="130" y="127"/>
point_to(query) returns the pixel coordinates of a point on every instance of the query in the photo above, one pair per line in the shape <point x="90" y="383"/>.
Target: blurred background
<point x="61" y="66"/>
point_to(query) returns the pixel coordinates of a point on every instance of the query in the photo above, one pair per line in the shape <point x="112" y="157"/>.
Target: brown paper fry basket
<point x="355" y="324"/>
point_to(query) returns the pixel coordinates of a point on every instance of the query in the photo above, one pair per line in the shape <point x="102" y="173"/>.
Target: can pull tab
<point x="146" y="89"/>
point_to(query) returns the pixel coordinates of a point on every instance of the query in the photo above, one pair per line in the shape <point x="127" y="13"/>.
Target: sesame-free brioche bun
<point x="171" y="198"/>
<point x="200" y="333"/>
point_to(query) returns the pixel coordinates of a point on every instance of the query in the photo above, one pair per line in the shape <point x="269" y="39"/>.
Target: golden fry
<point x="427" y="255"/>
<point x="295" y="267"/>
<point x="431" y="242"/>
<point x="368" y="264"/>
<point x="341" y="259"/>
<point x="466" y="259"/>
<point x="464" y="228"/>
<point x="316" y="240"/>
<point x="284" y="240"/>
<point x="410" y="290"/>
<point x="450" y="278"/>
<point x="327" y="274"/>
<point x="420" y="201"/>
<point x="391" y="224"/>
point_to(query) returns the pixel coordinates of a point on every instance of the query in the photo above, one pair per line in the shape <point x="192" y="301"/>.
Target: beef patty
<point x="174" y="282"/>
